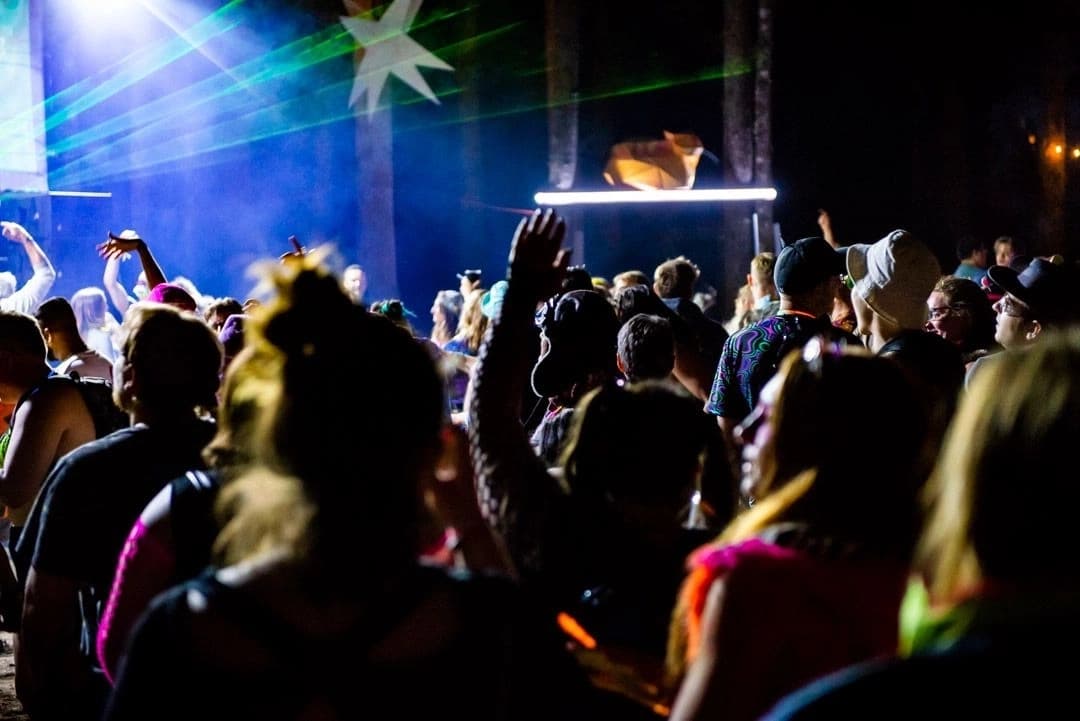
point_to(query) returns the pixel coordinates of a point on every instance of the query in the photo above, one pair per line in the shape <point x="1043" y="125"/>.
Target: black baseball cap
<point x="805" y="264"/>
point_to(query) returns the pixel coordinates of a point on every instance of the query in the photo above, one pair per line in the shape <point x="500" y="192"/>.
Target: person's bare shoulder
<point x="59" y="403"/>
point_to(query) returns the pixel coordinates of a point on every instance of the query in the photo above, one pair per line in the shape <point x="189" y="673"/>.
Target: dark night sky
<point x="910" y="116"/>
<point x="914" y="115"/>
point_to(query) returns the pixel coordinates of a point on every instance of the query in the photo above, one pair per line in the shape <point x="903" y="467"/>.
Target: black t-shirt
<point x="498" y="657"/>
<point x="91" y="500"/>
<point x="93" y="496"/>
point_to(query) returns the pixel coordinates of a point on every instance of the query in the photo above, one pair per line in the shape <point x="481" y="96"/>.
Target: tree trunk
<point x="562" y="83"/>
<point x="748" y="38"/>
<point x="763" y="121"/>
<point x="738" y="136"/>
<point x="563" y="51"/>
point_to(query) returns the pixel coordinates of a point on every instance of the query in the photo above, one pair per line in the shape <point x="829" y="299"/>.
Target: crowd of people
<point x="573" y="498"/>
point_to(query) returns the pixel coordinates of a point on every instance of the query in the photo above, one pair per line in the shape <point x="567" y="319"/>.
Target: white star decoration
<point x="387" y="49"/>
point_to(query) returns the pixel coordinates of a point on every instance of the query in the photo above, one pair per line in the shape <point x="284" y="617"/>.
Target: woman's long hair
<point x="446" y="325"/>
<point x="1003" y="496"/>
<point x="473" y="322"/>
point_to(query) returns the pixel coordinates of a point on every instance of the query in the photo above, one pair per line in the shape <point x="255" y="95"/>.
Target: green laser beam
<point x="289" y="59"/>
<point x="321" y="46"/>
<point x="253" y="124"/>
<point x="76" y="99"/>
<point x="216" y="88"/>
<point x="703" y="76"/>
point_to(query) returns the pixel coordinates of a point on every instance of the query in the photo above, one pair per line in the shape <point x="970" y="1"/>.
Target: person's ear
<point x="1034" y="329"/>
<point x="129" y="381"/>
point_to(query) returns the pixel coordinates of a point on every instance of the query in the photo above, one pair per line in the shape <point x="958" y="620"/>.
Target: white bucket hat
<point x="895" y="277"/>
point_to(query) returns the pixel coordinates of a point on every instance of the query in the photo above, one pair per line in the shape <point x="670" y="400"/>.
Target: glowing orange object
<point x="574" y="630"/>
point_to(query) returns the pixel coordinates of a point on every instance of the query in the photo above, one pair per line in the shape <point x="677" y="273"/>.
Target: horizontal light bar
<point x="78" y="194"/>
<point x="653" y="196"/>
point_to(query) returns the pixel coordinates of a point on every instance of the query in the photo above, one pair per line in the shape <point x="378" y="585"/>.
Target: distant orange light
<point x="1031" y="138"/>
<point x="1059" y="149"/>
<point x="1076" y="152"/>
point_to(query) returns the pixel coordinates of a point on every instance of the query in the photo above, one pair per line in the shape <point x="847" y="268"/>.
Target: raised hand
<point x="118" y="246"/>
<point x="15" y="232"/>
<point x="825" y="223"/>
<point x="537" y="262"/>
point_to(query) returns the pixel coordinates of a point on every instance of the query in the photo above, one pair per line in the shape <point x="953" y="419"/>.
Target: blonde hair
<point x="1012" y="435"/>
<point x="327" y="477"/>
<point x="92" y="311"/>
<point x="473" y="322"/>
<point x="762" y="265"/>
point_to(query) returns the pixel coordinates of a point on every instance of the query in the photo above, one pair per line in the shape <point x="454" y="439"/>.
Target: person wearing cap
<point x="1038" y="298"/>
<point x="600" y="541"/>
<point x="492" y="299"/>
<point x="578" y="352"/>
<point x="174" y="295"/>
<point x="468" y="280"/>
<point x="890" y="282"/>
<point x="27" y="298"/>
<point x="807" y="276"/>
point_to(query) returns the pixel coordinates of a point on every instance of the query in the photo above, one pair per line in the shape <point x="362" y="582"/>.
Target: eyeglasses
<point x="939" y="313"/>
<point x="1012" y="307"/>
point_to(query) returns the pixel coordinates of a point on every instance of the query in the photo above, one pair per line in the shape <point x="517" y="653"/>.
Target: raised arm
<point x="117" y="245"/>
<point x="825" y="223"/>
<point x="29" y="297"/>
<point x="514" y="487"/>
<point x="111" y="280"/>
